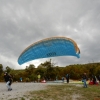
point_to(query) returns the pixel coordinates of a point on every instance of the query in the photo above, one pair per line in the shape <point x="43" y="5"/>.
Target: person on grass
<point x="84" y="79"/>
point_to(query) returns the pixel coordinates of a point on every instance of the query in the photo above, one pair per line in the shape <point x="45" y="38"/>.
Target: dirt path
<point x="20" y="89"/>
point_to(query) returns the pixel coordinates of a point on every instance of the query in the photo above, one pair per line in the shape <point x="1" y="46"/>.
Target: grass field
<point x="71" y="91"/>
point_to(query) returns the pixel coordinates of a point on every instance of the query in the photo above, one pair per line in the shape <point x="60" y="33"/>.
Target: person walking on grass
<point x="84" y="79"/>
<point x="39" y="77"/>
<point x="8" y="80"/>
<point x="67" y="78"/>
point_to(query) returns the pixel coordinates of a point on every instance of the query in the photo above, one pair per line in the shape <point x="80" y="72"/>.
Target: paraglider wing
<point x="50" y="47"/>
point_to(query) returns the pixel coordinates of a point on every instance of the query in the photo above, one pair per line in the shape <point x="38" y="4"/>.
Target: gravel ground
<point x="20" y="89"/>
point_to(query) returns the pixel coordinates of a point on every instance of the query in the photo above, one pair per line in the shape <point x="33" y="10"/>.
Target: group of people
<point x="94" y="79"/>
<point x="8" y="79"/>
<point x="84" y="79"/>
<point x="67" y="76"/>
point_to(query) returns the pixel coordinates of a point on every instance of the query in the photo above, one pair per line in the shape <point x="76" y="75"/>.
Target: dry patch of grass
<point x="67" y="92"/>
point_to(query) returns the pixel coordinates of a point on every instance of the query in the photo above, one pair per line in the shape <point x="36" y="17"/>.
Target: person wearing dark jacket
<point x="67" y="78"/>
<point x="8" y="81"/>
<point x="84" y="79"/>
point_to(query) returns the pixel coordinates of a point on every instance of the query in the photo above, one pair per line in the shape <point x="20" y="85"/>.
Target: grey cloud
<point x="24" y="22"/>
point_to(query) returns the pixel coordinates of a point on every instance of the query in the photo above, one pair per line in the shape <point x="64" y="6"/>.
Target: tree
<point x="8" y="69"/>
<point x="97" y="71"/>
<point x="30" y="69"/>
<point x="1" y="69"/>
<point x="1" y="72"/>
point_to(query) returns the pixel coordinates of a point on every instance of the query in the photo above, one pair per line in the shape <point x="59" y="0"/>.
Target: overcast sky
<point x="23" y="22"/>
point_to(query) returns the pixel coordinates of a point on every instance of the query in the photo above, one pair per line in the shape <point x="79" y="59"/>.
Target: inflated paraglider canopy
<point x="50" y="47"/>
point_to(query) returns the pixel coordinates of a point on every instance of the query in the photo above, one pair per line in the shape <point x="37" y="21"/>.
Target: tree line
<point x="49" y="71"/>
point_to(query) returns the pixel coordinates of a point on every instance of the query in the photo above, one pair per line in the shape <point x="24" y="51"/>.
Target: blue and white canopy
<point x="50" y="47"/>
